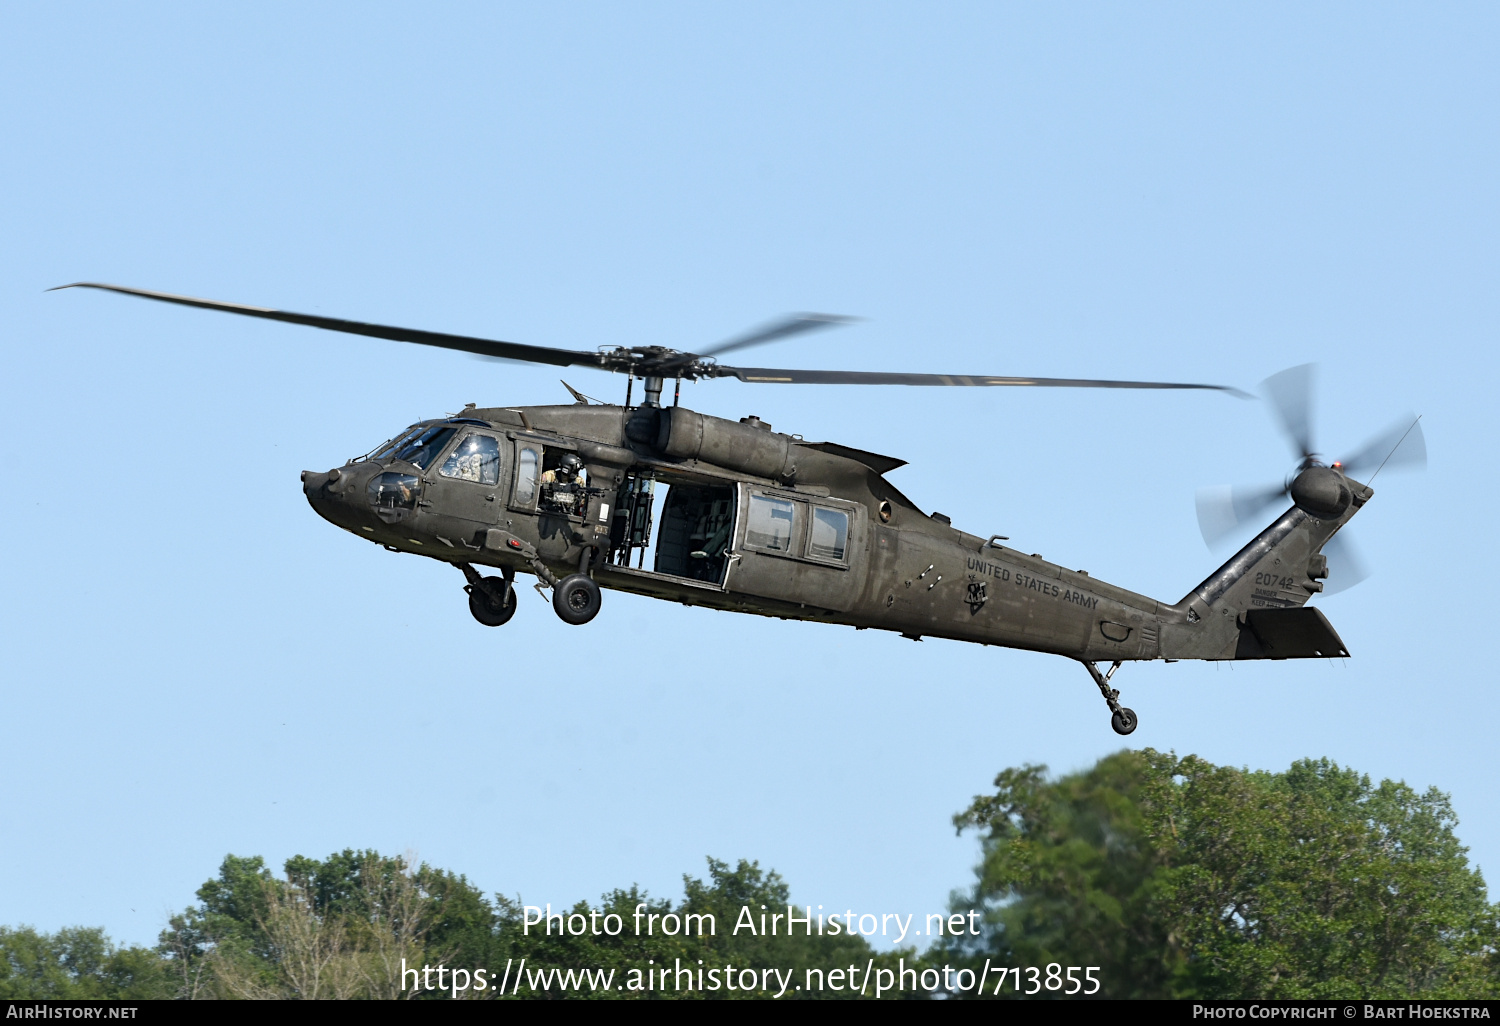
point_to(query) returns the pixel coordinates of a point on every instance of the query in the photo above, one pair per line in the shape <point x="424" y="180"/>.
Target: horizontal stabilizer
<point x="1302" y="633"/>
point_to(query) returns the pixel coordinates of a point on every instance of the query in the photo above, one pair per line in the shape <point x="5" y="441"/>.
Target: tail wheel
<point x="577" y="599"/>
<point x="491" y="602"/>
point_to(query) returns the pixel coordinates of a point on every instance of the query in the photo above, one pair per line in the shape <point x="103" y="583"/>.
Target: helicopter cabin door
<point x="466" y="485"/>
<point x="695" y="520"/>
<point x="799" y="548"/>
<point x="697" y="524"/>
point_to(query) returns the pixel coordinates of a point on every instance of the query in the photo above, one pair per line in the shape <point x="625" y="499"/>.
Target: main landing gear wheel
<point x="1123" y="720"/>
<point x="492" y="601"/>
<point x="577" y="599"/>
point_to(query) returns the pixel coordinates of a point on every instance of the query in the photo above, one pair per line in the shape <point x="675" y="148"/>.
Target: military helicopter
<point x="739" y="517"/>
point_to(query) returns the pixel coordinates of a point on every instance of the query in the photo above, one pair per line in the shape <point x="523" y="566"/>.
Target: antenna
<point x="1394" y="448"/>
<point x="579" y="397"/>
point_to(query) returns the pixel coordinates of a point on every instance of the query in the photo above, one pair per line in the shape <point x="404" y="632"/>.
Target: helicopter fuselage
<point x="752" y="521"/>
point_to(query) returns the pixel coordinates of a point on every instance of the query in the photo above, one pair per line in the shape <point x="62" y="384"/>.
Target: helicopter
<point x="737" y="516"/>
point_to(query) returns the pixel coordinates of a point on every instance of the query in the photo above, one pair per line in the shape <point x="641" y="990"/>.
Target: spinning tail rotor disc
<point x="1224" y="510"/>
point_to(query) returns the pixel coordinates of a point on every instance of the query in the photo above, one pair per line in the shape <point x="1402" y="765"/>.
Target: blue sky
<point x="197" y="664"/>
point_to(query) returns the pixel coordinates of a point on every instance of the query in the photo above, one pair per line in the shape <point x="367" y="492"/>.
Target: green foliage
<point x="1176" y="877"/>
<point x="338" y="928"/>
<point x="719" y="902"/>
<point x="1315" y="884"/>
<point x="78" y="963"/>
<point x="1184" y="879"/>
<point x="1068" y="876"/>
<point x="347" y="926"/>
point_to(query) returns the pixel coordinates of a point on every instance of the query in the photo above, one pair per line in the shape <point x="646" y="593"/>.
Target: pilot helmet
<point x="570" y="465"/>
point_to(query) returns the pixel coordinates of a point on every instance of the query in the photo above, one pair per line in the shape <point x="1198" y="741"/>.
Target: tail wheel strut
<point x="1121" y="719"/>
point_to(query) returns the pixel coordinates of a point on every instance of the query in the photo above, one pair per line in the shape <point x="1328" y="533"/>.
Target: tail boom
<point x="1252" y="607"/>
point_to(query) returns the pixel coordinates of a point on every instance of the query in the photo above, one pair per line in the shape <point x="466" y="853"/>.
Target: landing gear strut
<point x="492" y="600"/>
<point x="1121" y="719"/>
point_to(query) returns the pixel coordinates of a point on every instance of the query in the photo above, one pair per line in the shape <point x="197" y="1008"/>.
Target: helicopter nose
<point x="325" y="492"/>
<point x="335" y="496"/>
<point x="315" y="484"/>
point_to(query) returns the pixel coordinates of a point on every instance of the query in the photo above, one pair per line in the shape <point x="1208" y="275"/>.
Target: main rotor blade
<point x="783" y="376"/>
<point x="1401" y="445"/>
<point x="464" y="343"/>
<point x="1222" y="510"/>
<point x="795" y="324"/>
<point x="1290" y="392"/>
<point x="1345" y="568"/>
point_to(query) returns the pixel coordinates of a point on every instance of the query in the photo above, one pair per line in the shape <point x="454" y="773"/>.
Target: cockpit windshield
<point x="420" y="445"/>
<point x="384" y="449"/>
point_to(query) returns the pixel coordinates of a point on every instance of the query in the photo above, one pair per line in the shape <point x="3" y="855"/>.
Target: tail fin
<point x="1252" y="606"/>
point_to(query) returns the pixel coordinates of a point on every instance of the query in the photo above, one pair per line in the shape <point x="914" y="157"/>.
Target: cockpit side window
<point x="422" y="447"/>
<point x="477" y="458"/>
<point x="528" y="466"/>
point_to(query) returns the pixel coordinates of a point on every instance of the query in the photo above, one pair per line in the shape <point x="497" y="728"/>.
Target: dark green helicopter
<point x="739" y="517"/>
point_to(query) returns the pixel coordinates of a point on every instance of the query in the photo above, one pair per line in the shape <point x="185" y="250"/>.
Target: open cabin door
<point x="697" y="527"/>
<point x="694" y="521"/>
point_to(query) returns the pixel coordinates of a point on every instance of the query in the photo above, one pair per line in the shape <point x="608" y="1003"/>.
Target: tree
<point x="77" y="963"/>
<point x="1067" y="876"/>
<point x="340" y="928"/>
<point x="714" y="908"/>
<point x="357" y="923"/>
<point x="1315" y="884"/>
<point x="1184" y="879"/>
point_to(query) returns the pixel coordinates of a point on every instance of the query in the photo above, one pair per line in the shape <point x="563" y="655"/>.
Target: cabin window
<point x="527" y="461"/>
<point x="829" y="536"/>
<point x="476" y="459"/>
<point x="770" y="524"/>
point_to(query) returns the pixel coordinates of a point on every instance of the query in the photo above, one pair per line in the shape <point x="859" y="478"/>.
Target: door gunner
<point x="563" y="486"/>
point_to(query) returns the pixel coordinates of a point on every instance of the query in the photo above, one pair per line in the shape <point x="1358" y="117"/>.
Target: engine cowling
<point x="684" y="434"/>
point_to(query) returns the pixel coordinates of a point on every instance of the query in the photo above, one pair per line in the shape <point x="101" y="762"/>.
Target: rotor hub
<point x="1321" y="491"/>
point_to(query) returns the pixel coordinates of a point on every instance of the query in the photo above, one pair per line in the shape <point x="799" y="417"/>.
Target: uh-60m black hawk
<point x="752" y="520"/>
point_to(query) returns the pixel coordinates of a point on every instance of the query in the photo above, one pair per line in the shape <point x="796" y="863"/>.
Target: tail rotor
<point x="1223" y="510"/>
